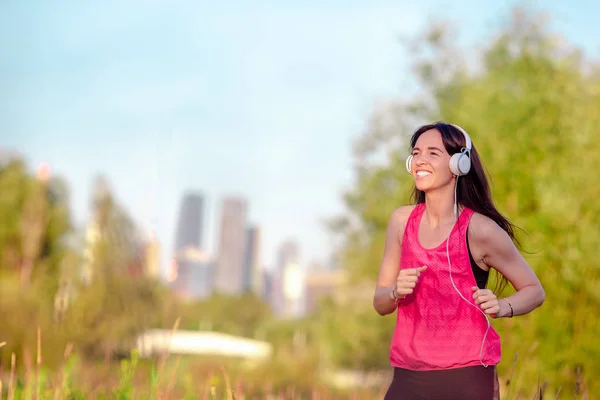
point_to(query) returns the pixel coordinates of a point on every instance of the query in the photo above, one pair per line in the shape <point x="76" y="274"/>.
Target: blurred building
<point x="267" y="282"/>
<point x="190" y="222"/>
<point x="253" y="270"/>
<point x="152" y="258"/>
<point x="229" y="275"/>
<point x="288" y="252"/>
<point x="194" y="274"/>
<point x="91" y="238"/>
<point x="287" y="284"/>
<point x="293" y="288"/>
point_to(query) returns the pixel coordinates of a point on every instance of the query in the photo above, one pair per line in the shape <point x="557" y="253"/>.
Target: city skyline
<point x="237" y="266"/>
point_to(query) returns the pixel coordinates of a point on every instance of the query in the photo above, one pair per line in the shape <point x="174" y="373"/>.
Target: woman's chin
<point x="422" y="187"/>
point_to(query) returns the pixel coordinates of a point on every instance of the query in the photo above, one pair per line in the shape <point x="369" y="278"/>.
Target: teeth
<point x="423" y="173"/>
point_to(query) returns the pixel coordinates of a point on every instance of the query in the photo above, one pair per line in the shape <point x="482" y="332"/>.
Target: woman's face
<point x="430" y="164"/>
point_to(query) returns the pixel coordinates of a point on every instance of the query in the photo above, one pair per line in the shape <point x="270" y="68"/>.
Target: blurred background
<point x="194" y="195"/>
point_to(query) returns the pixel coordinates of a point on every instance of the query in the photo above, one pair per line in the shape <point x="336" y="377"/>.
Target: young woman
<point x="434" y="272"/>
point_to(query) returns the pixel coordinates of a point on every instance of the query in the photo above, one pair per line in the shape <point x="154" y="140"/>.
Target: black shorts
<point x="468" y="383"/>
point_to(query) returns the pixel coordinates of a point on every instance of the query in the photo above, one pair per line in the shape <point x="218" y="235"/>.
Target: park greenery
<point x="530" y="101"/>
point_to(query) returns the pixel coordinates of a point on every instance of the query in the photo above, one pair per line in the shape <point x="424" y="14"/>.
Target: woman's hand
<point x="488" y="301"/>
<point x="407" y="281"/>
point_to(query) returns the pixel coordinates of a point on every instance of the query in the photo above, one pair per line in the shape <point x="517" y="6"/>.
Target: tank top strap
<point x="412" y="224"/>
<point x="463" y="221"/>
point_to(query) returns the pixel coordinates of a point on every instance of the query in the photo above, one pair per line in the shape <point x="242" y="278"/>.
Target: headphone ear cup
<point x="464" y="163"/>
<point x="454" y="164"/>
<point x="408" y="164"/>
<point x="460" y="163"/>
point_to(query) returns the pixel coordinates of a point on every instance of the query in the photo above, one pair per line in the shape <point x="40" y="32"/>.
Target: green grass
<point x="189" y="378"/>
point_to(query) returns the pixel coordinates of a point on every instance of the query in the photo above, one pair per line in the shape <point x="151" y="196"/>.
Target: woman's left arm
<point x="499" y="252"/>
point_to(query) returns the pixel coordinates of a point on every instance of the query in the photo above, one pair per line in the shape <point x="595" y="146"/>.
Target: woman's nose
<point x="421" y="160"/>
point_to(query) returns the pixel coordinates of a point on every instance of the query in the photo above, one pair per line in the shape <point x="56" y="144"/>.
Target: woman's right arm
<point x="383" y="301"/>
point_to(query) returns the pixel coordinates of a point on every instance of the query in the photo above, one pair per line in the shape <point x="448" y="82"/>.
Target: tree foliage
<point x="33" y="223"/>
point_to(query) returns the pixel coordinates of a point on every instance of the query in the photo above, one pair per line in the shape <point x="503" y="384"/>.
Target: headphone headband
<point x="468" y="144"/>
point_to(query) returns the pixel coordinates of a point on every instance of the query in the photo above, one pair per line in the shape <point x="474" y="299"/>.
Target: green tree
<point x="13" y="178"/>
<point x="34" y="222"/>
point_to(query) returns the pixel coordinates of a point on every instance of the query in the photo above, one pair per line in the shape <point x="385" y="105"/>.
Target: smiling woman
<point x="434" y="272"/>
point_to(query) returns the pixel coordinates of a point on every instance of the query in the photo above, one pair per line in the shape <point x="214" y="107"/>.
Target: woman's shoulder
<point x="401" y="214"/>
<point x="482" y="227"/>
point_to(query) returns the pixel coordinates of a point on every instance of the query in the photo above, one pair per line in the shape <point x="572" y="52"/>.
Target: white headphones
<point x="460" y="163"/>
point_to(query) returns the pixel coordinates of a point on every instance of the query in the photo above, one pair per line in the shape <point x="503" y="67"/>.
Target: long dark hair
<point x="473" y="189"/>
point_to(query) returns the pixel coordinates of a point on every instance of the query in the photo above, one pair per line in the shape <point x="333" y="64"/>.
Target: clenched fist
<point x="407" y="281"/>
<point x="487" y="300"/>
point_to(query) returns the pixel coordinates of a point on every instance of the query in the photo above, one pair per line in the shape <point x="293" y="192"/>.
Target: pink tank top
<point x="436" y="328"/>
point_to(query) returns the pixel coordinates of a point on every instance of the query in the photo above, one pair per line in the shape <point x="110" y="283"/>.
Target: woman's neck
<point x="439" y="206"/>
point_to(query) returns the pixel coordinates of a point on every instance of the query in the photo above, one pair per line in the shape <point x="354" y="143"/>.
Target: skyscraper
<point x="288" y="252"/>
<point x="252" y="268"/>
<point x="229" y="276"/>
<point x="190" y="223"/>
<point x="287" y="280"/>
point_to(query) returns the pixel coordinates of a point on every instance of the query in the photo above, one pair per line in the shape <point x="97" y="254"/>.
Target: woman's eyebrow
<point x="429" y="148"/>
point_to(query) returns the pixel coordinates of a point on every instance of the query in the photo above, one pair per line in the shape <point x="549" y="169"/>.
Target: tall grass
<point x="167" y="378"/>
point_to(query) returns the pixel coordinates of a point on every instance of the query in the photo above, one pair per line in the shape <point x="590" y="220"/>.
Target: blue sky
<point x="260" y="99"/>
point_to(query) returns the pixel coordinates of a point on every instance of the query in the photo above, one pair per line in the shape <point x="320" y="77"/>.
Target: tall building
<point x="253" y="270"/>
<point x="288" y="252"/>
<point x="190" y="223"/>
<point x="287" y="291"/>
<point x="152" y="257"/>
<point x="91" y="237"/>
<point x="293" y="286"/>
<point x="229" y="277"/>
<point x="267" y="288"/>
